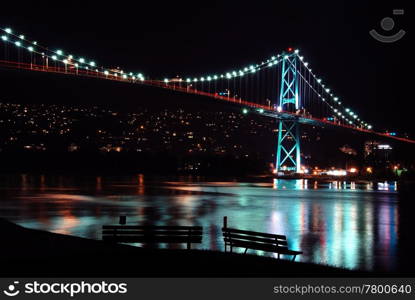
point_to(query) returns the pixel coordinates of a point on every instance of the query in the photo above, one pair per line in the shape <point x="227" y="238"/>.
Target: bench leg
<point x="294" y="257"/>
<point x="246" y="250"/>
<point x="278" y="256"/>
<point x="226" y="247"/>
<point x="189" y="246"/>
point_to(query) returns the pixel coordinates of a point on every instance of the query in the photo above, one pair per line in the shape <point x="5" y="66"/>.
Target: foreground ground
<point x="28" y="252"/>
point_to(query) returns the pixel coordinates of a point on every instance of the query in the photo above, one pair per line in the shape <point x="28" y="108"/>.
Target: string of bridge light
<point x="34" y="44"/>
<point x="335" y="111"/>
<point x="252" y="69"/>
<point x="58" y="55"/>
<point x="333" y="97"/>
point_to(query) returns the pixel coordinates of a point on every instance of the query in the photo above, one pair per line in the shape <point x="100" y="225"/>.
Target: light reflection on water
<point x="347" y="224"/>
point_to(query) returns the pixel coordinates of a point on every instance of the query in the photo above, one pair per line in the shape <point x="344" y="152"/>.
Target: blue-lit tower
<point x="288" y="148"/>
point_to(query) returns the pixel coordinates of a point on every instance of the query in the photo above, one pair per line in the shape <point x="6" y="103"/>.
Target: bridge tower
<point x="288" y="147"/>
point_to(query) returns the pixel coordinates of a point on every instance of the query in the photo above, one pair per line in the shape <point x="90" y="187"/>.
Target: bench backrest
<point x="232" y="235"/>
<point x="152" y="234"/>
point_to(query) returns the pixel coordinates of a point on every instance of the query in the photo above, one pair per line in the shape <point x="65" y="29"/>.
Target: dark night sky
<point x="177" y="37"/>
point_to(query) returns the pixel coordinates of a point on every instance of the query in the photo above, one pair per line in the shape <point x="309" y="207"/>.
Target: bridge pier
<point x="288" y="146"/>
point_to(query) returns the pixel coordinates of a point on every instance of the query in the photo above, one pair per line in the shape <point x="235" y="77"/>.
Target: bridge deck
<point x="257" y="108"/>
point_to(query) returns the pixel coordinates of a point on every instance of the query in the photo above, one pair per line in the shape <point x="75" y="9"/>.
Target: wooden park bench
<point x="256" y="241"/>
<point x="152" y="234"/>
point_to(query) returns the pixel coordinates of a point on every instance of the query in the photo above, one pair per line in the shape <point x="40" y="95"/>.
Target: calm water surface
<point x="347" y="224"/>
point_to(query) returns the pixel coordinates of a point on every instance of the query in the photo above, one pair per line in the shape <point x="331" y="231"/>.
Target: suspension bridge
<point x="283" y="87"/>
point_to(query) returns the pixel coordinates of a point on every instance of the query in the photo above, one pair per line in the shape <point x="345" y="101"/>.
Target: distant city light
<point x="385" y="147"/>
<point x="337" y="172"/>
<point x="245" y="111"/>
<point x="4" y="38"/>
<point x="8" y="30"/>
<point x="59" y="52"/>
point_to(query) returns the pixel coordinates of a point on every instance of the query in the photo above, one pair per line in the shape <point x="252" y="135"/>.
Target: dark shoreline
<point x="208" y="176"/>
<point x="28" y="252"/>
<point x="35" y="253"/>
